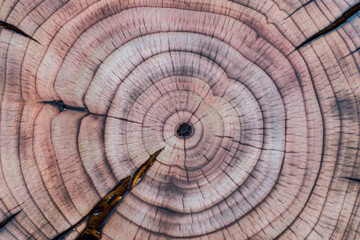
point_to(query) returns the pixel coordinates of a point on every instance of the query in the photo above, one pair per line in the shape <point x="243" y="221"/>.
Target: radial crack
<point x="102" y="211"/>
<point x="341" y="20"/>
<point x="10" y="27"/>
<point x="7" y="220"/>
<point x="353" y="179"/>
<point x="62" y="107"/>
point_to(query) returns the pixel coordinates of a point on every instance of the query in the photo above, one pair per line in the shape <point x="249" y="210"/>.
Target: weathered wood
<point x="257" y="107"/>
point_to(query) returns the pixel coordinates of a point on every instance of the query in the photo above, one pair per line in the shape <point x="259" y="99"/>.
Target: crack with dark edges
<point x="102" y="211"/>
<point x="10" y="27"/>
<point x="63" y="107"/>
<point x="8" y="219"/>
<point x="357" y="180"/>
<point x="341" y="20"/>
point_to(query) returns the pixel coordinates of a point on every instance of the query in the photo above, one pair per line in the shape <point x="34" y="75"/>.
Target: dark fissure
<point x="341" y="20"/>
<point x="184" y="130"/>
<point x="62" y="106"/>
<point x="10" y="27"/>
<point x="7" y="220"/>
<point x="98" y="216"/>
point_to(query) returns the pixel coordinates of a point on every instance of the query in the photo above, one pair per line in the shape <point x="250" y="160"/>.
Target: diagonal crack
<point x="10" y="27"/>
<point x="102" y="211"/>
<point x="341" y="20"/>
<point x="296" y="10"/>
<point x="8" y="219"/>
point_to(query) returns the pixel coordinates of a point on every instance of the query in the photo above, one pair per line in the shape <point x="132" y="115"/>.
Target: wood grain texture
<point x="274" y="152"/>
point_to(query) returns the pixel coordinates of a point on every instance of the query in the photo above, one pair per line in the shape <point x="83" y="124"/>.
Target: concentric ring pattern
<point x="275" y="132"/>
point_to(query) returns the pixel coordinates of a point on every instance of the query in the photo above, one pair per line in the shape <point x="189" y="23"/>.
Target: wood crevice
<point x="338" y="22"/>
<point x="11" y="27"/>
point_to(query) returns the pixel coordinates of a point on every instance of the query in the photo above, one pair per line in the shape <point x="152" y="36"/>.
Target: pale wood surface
<point x="275" y="130"/>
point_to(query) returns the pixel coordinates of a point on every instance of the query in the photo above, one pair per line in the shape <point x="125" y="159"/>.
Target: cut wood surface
<point x="259" y="119"/>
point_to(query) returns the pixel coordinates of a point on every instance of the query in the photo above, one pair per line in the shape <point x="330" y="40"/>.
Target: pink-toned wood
<point x="275" y="130"/>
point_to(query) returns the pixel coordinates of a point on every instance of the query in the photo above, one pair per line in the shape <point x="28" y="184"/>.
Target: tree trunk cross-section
<point x="256" y="102"/>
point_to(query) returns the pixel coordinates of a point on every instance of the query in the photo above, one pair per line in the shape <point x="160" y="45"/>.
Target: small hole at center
<point x="184" y="130"/>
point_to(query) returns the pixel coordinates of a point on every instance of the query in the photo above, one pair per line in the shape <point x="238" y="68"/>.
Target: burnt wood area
<point x="254" y="106"/>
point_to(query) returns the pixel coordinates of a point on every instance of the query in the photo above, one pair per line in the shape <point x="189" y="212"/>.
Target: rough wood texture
<point x="274" y="147"/>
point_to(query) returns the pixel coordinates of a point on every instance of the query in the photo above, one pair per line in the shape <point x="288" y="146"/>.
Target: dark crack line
<point x="356" y="180"/>
<point x="351" y="53"/>
<point x="10" y="27"/>
<point x="63" y="107"/>
<point x="8" y="219"/>
<point x="302" y="6"/>
<point x="100" y="213"/>
<point x="341" y="20"/>
<point x="186" y="170"/>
